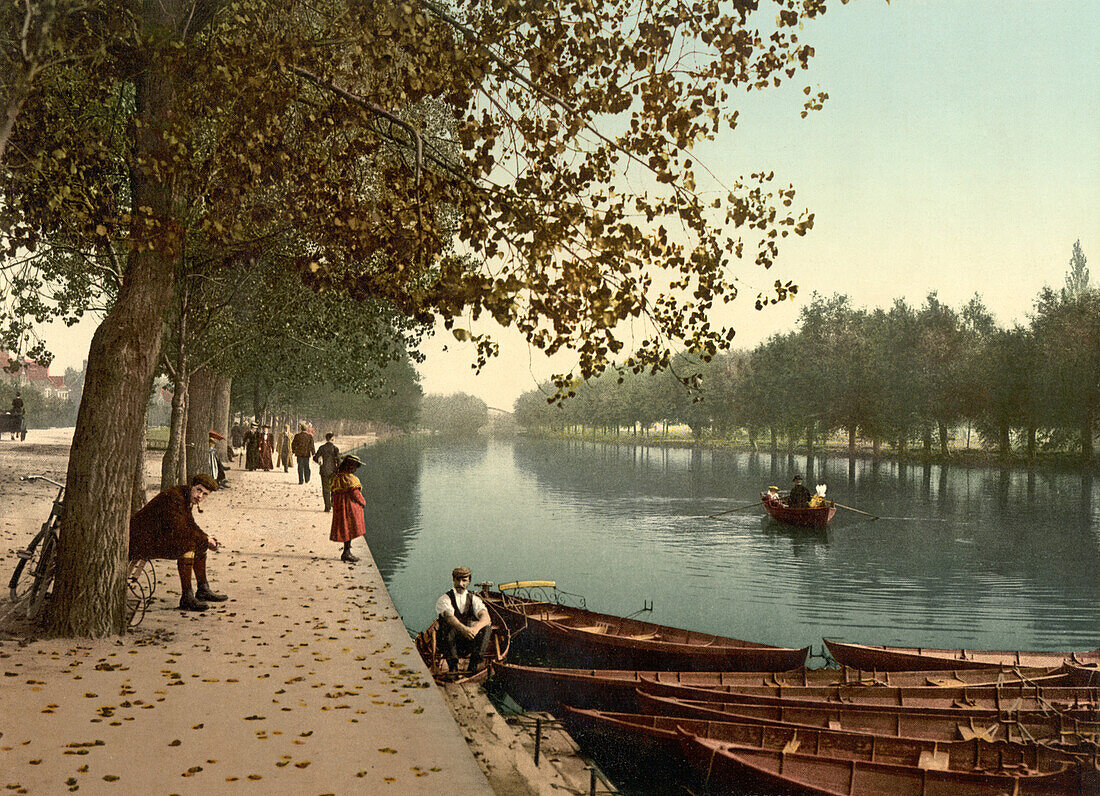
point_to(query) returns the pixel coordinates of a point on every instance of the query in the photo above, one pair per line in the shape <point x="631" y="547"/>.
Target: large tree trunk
<point x="200" y="417"/>
<point x="1032" y="445"/>
<point x="92" y="554"/>
<point x="852" y="439"/>
<point x="1005" y="441"/>
<point x="943" y="438"/>
<point x="222" y="389"/>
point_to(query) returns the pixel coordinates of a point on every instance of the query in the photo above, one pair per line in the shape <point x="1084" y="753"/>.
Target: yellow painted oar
<point x="528" y="584"/>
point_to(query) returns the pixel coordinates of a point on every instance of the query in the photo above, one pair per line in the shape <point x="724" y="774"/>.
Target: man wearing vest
<point x="464" y="626"/>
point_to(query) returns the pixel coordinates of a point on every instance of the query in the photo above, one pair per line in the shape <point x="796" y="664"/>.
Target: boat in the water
<point x="607" y="734"/>
<point x="723" y="768"/>
<point x="544" y="688"/>
<point x="864" y="656"/>
<point x="578" y="637"/>
<point x="1005" y="697"/>
<point x="428" y="647"/>
<point x="1047" y="727"/>
<point x="803" y="517"/>
<point x="1083" y="673"/>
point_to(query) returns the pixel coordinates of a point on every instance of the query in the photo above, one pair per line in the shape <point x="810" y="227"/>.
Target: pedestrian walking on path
<point x="328" y="456"/>
<point x="302" y="445"/>
<point x="347" y="507"/>
<point x="282" y="448"/>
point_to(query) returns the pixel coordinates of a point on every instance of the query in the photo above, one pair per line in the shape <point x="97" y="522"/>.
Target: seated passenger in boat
<point x="464" y="626"/>
<point x="773" y="496"/>
<point x="800" y="495"/>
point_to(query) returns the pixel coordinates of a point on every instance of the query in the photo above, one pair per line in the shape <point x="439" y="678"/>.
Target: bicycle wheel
<point x="43" y="578"/>
<point x="19" y="586"/>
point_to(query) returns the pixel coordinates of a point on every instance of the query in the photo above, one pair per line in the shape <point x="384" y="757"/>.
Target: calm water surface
<point x="978" y="558"/>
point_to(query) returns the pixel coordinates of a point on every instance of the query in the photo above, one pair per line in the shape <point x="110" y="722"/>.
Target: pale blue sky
<point x="959" y="151"/>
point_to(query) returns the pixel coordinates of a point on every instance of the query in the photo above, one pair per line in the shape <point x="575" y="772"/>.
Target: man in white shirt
<point x="464" y="626"/>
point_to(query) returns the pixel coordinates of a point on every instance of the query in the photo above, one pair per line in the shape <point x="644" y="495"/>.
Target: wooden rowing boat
<point x="863" y="656"/>
<point x="807" y="517"/>
<point x="430" y="653"/>
<point x="1004" y="697"/>
<point x="1048" y="727"/>
<point x="608" y="735"/>
<point x="579" y="637"/>
<point x="724" y="767"/>
<point x="542" y="688"/>
<point x="1082" y="674"/>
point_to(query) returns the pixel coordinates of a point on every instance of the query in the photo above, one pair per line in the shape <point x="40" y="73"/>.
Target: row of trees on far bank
<point x="900" y="375"/>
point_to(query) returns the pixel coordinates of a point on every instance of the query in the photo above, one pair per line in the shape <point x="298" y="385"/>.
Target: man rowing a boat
<point x="464" y="623"/>
<point x="800" y="495"/>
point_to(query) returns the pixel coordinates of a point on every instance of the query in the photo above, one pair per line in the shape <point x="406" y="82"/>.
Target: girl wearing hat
<point x="347" y="507"/>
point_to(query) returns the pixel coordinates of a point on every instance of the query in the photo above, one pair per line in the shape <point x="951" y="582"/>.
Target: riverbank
<point x="305" y="681"/>
<point x="957" y="456"/>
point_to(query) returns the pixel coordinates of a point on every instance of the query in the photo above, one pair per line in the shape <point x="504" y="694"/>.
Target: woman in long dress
<point x="347" y="507"/>
<point x="267" y="446"/>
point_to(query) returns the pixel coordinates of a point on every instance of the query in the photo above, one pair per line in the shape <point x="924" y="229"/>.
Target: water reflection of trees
<point x="951" y="540"/>
<point x="391" y="477"/>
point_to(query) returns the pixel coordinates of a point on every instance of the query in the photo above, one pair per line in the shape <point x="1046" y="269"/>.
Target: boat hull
<point x="724" y="768"/>
<point x="610" y="734"/>
<point x="884" y="659"/>
<point x="577" y="637"/>
<point x="819" y="517"/>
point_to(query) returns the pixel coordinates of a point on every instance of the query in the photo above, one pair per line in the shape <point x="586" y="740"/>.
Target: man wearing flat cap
<point x="464" y="626"/>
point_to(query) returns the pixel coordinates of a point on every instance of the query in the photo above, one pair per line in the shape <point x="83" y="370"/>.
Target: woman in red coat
<point x="347" y="507"/>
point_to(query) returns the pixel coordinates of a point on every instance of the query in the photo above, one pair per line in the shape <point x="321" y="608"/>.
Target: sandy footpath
<point x="305" y="682"/>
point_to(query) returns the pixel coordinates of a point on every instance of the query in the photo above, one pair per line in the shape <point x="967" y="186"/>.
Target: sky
<point x="958" y="152"/>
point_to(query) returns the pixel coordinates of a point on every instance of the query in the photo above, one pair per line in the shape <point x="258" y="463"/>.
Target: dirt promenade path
<point x="304" y="682"/>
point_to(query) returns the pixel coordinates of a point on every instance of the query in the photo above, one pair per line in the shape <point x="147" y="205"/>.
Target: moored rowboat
<point x="723" y="767"/>
<point x="1005" y="697"/>
<point x="607" y="733"/>
<point x="585" y="638"/>
<point x="1048" y="727"/>
<point x="863" y="656"/>
<point x="541" y="688"/>
<point x="816" y="517"/>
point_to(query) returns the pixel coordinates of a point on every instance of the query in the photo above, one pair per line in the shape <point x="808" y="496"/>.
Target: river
<point x="961" y="557"/>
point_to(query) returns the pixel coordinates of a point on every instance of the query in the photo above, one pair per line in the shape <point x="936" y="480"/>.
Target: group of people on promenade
<point x="166" y="528"/>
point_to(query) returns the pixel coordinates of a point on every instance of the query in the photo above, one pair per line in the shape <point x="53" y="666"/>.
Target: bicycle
<point x="39" y="559"/>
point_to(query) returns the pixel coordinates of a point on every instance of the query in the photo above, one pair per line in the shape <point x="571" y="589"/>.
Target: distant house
<point x="33" y="375"/>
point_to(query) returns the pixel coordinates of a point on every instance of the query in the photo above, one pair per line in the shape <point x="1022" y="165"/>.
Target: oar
<point x="739" y="508"/>
<point x="857" y="511"/>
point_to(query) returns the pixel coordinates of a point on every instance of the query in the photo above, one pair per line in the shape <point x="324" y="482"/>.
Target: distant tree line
<point x="457" y="415"/>
<point x="904" y="376"/>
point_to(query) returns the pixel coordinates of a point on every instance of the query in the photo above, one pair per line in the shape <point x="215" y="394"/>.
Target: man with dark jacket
<point x="328" y="456"/>
<point x="166" y="528"/>
<point x="800" y="495"/>
<point x="302" y="447"/>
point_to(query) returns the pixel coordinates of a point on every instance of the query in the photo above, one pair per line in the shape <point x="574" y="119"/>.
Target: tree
<point x="1066" y="326"/>
<point x="504" y="126"/>
<point x="1077" y="279"/>
<point x="457" y="415"/>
